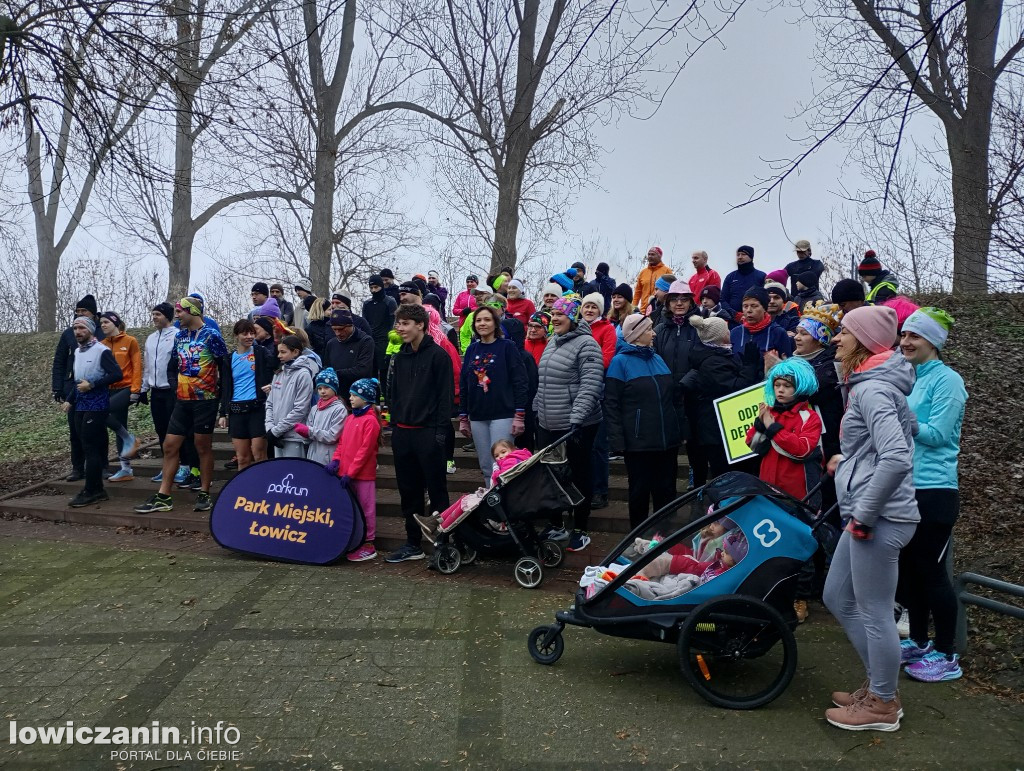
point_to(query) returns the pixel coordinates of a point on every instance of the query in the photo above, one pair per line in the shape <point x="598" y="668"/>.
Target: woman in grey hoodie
<point x="289" y="398"/>
<point x="875" y="487"/>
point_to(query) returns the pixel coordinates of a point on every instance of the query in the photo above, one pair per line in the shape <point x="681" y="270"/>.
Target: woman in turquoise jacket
<point x="937" y="401"/>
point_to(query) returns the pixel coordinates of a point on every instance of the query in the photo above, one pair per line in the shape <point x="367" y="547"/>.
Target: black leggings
<point x="924" y="587"/>
<point x="652" y="476"/>
<point x="578" y="451"/>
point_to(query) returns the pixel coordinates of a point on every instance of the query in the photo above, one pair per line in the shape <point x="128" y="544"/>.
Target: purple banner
<point x="288" y="509"/>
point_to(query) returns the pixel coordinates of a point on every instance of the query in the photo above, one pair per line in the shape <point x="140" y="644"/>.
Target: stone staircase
<point x="50" y="501"/>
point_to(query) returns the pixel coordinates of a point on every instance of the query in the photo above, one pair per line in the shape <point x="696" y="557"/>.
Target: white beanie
<point x="594" y="297"/>
<point x="552" y="288"/>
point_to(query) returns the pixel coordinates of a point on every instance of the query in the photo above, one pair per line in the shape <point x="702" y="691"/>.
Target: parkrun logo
<point x="285" y="487"/>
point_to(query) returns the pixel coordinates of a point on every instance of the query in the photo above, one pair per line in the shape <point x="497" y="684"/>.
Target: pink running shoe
<point x="363" y="553"/>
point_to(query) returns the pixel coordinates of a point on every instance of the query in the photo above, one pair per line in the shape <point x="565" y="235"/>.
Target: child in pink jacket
<point x="355" y="459"/>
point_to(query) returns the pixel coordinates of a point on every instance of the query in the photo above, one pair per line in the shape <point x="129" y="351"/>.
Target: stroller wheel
<point x="447" y="559"/>
<point x="528" y="572"/>
<point x="550" y="553"/>
<point x="546" y="650"/>
<point x="737" y="652"/>
<point x="469" y="555"/>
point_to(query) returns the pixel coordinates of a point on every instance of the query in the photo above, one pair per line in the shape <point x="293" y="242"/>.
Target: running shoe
<point x="407" y="552"/>
<point x="87" y="499"/>
<point x="122" y="475"/>
<point x="579" y="541"/>
<point x="936" y="667"/>
<point x="555" y="534"/>
<point x="451" y="467"/>
<point x="203" y="502"/>
<point x="158" y="477"/>
<point x="155" y="502"/>
<point x="911" y="652"/>
<point x="181" y="475"/>
<point x="363" y="553"/>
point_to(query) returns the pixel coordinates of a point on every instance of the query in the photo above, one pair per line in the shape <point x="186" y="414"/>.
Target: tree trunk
<point x="321" y="227"/>
<point x="46" y="282"/>
<point x="183" y="229"/>
<point x="506" y="219"/>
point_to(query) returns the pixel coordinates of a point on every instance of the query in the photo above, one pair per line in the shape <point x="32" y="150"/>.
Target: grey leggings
<point x="860" y="591"/>
<point x="486" y="433"/>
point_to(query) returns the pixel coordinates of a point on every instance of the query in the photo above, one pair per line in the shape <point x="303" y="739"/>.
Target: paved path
<point x="367" y="666"/>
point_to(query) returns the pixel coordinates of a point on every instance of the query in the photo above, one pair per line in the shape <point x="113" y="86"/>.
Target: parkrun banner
<point x="288" y="509"/>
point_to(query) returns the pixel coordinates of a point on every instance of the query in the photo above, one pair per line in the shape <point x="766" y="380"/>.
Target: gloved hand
<point x="464" y="427"/>
<point x="577" y="434"/>
<point x="272" y="439"/>
<point x="144" y="397"/>
<point x="133" y="399"/>
<point x="302" y="430"/>
<point x="344" y="481"/>
<point x="518" y="424"/>
<point x="332" y="467"/>
<point x="58" y="397"/>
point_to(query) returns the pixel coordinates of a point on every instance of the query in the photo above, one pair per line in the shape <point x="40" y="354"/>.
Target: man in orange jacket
<point x="645" y="280"/>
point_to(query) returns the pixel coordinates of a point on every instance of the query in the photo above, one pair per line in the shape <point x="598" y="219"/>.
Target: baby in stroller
<point x="505" y="455"/>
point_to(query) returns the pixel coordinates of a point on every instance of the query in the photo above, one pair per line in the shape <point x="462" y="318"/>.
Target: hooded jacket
<point x="159" y="347"/>
<point x="291" y="392"/>
<point x="352" y="359"/>
<point x="883" y="287"/>
<point x="379" y="312"/>
<point x="714" y="372"/>
<point x="736" y="285"/>
<point x="571" y="381"/>
<point x="129" y="358"/>
<point x="421" y="387"/>
<point x="603" y="284"/>
<point x="325" y="425"/>
<point x="875" y="475"/>
<point x="790" y="448"/>
<point x="357" y="449"/>
<point x="645" y="281"/>
<point x="938" y="402"/>
<point x="638" y="404"/>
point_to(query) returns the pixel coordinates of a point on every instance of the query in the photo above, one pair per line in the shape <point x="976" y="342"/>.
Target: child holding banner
<point x="787" y="430"/>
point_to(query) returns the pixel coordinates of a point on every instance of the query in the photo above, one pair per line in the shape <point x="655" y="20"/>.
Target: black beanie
<point x="602" y="268"/>
<point x="261" y="287"/>
<point x="89" y="303"/>
<point x="308" y="301"/>
<point x="265" y="324"/>
<point x="847" y="290"/>
<point x="623" y="290"/>
<point x="432" y="299"/>
<point x="748" y="250"/>
<point x="758" y="293"/>
<point x="386" y="273"/>
<point x="376" y="280"/>
<point x="166" y="309"/>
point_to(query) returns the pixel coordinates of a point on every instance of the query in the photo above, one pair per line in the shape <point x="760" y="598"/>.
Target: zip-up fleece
<point x="638" y="404"/>
<point x="938" y="401"/>
<point x="875" y="476"/>
<point x="357" y="449"/>
<point x="291" y="392"/>
<point x="159" y="347"/>
<point x="325" y="424"/>
<point x="571" y="381"/>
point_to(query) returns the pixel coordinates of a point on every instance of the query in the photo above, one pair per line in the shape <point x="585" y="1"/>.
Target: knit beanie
<point x="88" y="303"/>
<point x="797" y="372"/>
<point x="265" y="324"/>
<point x="569" y="304"/>
<point x="735" y="545"/>
<point x="774" y="287"/>
<point x="563" y="280"/>
<point x="269" y="308"/>
<point x="873" y="325"/>
<point x="663" y="284"/>
<point x="747" y="250"/>
<point x="657" y="250"/>
<point x="543" y="318"/>
<point x="341" y="318"/>
<point x="261" y="287"/>
<point x="406" y="287"/>
<point x="869" y="266"/>
<point x="367" y="389"/>
<point x="432" y="299"/>
<point x="933" y="324"/>
<point x="597" y="298"/>
<point x="780" y="275"/>
<point x="757" y="293"/>
<point x="304" y="286"/>
<point x="166" y="309"/>
<point x="387" y="273"/>
<point x="679" y="287"/>
<point x="711" y="292"/>
<point x="623" y="290"/>
<point x="635" y="325"/>
<point x="848" y="290"/>
<point x="327" y="377"/>
<point x="112" y="317"/>
<point x="555" y="289"/>
<point x="308" y="301"/>
<point x="710" y="330"/>
<point x="87" y="322"/>
<point x="821" y="321"/>
<point x="375" y="280"/>
<point x="602" y="268"/>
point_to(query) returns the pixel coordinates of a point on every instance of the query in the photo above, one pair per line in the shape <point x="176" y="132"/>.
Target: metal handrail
<point x="967" y="598"/>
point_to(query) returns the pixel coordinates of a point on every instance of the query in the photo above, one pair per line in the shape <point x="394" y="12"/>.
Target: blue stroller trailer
<point x="733" y="626"/>
<point x="529" y="491"/>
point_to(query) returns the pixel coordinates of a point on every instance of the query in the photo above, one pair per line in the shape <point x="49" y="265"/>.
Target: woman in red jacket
<point x="519" y="306"/>
<point x="355" y="459"/>
<point x="601" y="329"/>
<point x="537" y="334"/>
<point x="787" y="430"/>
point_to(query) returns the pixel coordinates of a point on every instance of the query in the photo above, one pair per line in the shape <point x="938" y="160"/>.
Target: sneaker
<point x="232" y="464"/>
<point x="451" y="467"/>
<point x="195" y="482"/>
<point x="181" y="475"/>
<point x="155" y="502"/>
<point x="363" y="553"/>
<point x="935" y="667"/>
<point x="158" y="477"/>
<point x="469" y="447"/>
<point x="613" y="458"/>
<point x="555" y="534"/>
<point x="867" y="714"/>
<point x="579" y="541"/>
<point x="130" y="447"/>
<point x="87" y="499"/>
<point x="800" y="608"/>
<point x="903" y="623"/>
<point x="407" y="552"/>
<point x="844" y="699"/>
<point x="599" y="501"/>
<point x="122" y="475"/>
<point x="203" y="502"/>
<point x="911" y="652"/>
<point x="186" y="482"/>
<point x="75" y="476"/>
<point x="107" y="473"/>
<point x="428" y="524"/>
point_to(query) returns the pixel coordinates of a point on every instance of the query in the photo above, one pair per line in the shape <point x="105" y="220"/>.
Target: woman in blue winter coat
<point x="641" y="418"/>
<point x="875" y="486"/>
<point x="925" y="590"/>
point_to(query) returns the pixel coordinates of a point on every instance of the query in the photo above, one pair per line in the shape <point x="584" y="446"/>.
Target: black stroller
<point x="733" y="629"/>
<point x="502" y="523"/>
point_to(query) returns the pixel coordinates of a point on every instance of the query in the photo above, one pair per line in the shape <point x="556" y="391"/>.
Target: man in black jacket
<point x="62" y="382"/>
<point x="379" y="312"/>
<point x="350" y="352"/>
<point x="419" y="387"/>
<point x="390" y="287"/>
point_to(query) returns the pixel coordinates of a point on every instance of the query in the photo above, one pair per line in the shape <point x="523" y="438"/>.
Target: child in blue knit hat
<point x="325" y="420"/>
<point x="787" y="430"/>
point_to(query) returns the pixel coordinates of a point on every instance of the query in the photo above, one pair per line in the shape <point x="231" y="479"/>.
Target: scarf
<point x="759" y="326"/>
<point x="87" y="344"/>
<point x="323" y="404"/>
<point x="360" y="411"/>
<point x="745" y="268"/>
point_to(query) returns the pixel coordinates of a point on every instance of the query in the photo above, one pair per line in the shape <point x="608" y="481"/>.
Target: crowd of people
<point x="855" y="393"/>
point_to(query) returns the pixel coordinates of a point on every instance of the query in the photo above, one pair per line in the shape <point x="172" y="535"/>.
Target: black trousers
<point x="77" y="451"/>
<point x="419" y="463"/>
<point x="924" y="587"/>
<point x="91" y="427"/>
<point x="161" y="402"/>
<point x="652" y="476"/>
<point x="578" y="452"/>
<point x="117" y="415"/>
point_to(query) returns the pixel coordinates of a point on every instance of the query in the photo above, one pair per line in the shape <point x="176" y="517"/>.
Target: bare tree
<point x="522" y="84"/>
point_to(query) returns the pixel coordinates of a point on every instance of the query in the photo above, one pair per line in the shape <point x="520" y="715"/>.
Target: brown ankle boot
<point x="867" y="714"/>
